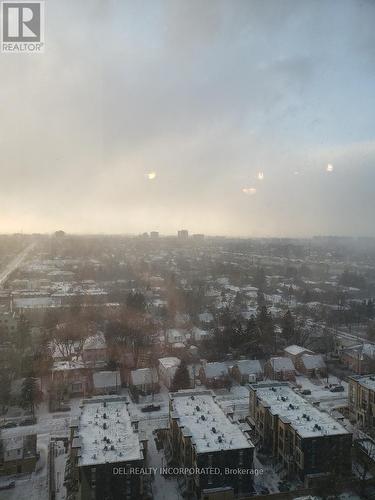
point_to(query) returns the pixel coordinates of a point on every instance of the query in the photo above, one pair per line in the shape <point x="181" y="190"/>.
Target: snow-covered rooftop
<point x="95" y="342"/>
<point x="293" y="350"/>
<point x="169" y="362"/>
<point x="106" y="434"/>
<point x="206" y="423"/>
<point x="213" y="370"/>
<point x="313" y="361"/>
<point x="248" y="366"/>
<point x="367" y="381"/>
<point x="280" y="364"/>
<point x="292" y="408"/>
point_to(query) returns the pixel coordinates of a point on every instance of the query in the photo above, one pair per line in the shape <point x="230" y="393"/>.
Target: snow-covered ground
<point x="320" y="391"/>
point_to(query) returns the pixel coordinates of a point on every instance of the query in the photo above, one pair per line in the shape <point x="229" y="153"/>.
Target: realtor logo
<point x="22" y="27"/>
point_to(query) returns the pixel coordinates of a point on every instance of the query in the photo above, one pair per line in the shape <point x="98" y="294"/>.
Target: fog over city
<point x="243" y="118"/>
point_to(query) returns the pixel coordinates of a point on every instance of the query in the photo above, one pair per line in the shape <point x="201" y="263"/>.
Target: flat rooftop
<point x="292" y="408"/>
<point x="105" y="434"/>
<point x="203" y="419"/>
<point x="367" y="381"/>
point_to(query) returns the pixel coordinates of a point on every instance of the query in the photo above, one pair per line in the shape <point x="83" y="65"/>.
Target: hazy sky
<point x="158" y="115"/>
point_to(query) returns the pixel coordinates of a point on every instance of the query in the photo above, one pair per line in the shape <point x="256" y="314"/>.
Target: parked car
<point x="8" y="425"/>
<point x="28" y="421"/>
<point x="8" y="485"/>
<point x="306" y="392"/>
<point x="149" y="408"/>
<point x="337" y="388"/>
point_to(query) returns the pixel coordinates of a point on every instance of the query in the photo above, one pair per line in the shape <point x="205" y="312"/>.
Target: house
<point x="247" y="370"/>
<point x="197" y="334"/>
<point x="307" y="443"/>
<point x="174" y="336"/>
<point x="167" y="368"/>
<point x="106" y="382"/>
<point x="144" y="380"/>
<point x="295" y="352"/>
<point x="312" y="365"/>
<point x="18" y="454"/>
<point x="214" y="375"/>
<point x="206" y="318"/>
<point x="201" y="436"/>
<point x="72" y="375"/>
<point x="359" y="358"/>
<point x="94" y="352"/>
<point x="279" y="368"/>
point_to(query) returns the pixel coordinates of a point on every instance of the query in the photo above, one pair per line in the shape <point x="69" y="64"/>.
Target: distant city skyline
<point x="249" y="118"/>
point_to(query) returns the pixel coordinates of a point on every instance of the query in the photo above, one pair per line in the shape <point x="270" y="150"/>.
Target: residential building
<point x="103" y="441"/>
<point x="183" y="234"/>
<point x="144" y="380"/>
<point x="167" y="368"/>
<point x="362" y="400"/>
<point x="308" y="443"/>
<point x="247" y="370"/>
<point x="106" y="382"/>
<point x="214" y="375"/>
<point x="94" y="352"/>
<point x="279" y="368"/>
<point x="295" y="353"/>
<point x="359" y="358"/>
<point x="201" y="436"/>
<point x="312" y="365"/>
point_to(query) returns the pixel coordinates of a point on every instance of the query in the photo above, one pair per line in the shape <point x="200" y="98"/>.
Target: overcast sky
<point x="250" y="118"/>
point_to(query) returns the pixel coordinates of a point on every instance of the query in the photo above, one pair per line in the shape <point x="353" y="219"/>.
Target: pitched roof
<point x="280" y="364"/>
<point x="213" y="370"/>
<point x="248" y="366"/>
<point x="312" y="361"/>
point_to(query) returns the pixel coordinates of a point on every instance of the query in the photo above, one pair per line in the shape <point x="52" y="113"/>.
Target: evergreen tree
<point x="30" y="394"/>
<point x="181" y="379"/>
<point x="288" y="326"/>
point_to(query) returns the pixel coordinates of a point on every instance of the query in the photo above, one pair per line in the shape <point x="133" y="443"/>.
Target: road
<point x="351" y="336"/>
<point x="14" y="264"/>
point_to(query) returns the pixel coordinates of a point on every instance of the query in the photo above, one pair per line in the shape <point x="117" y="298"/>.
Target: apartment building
<point x="307" y="442"/>
<point x="201" y="436"/>
<point x="104" y="440"/>
<point x="362" y="400"/>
